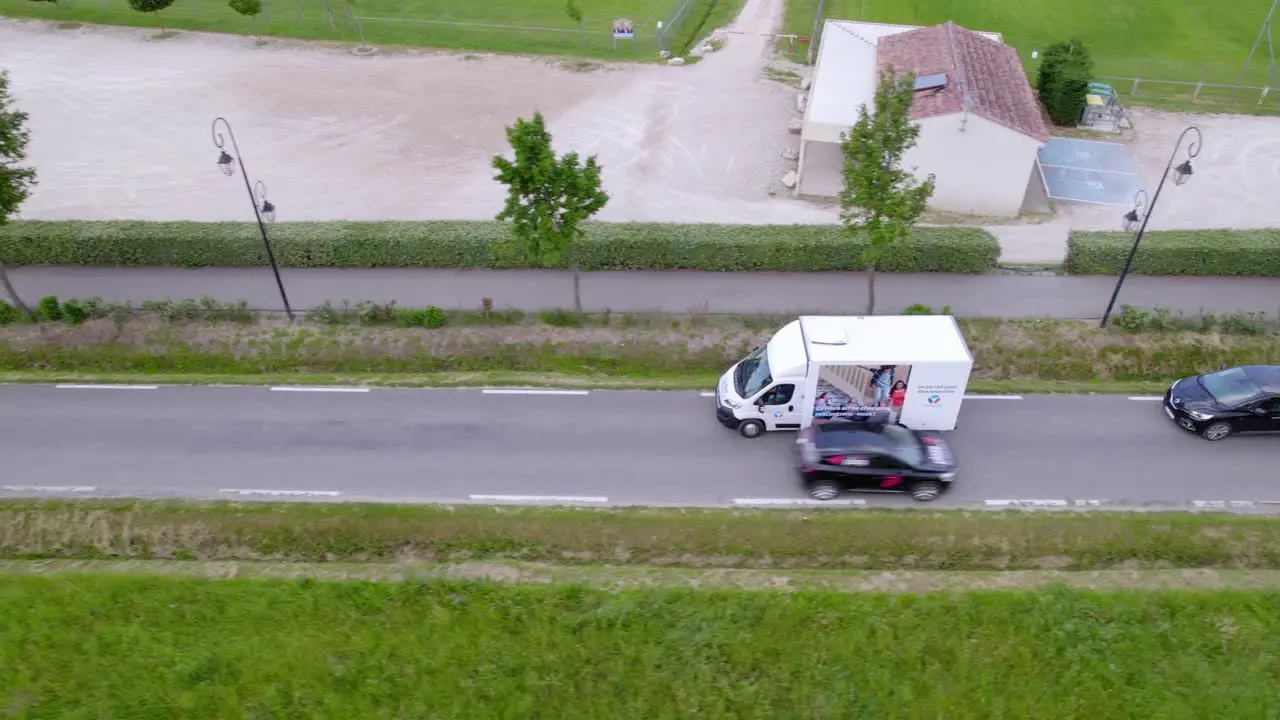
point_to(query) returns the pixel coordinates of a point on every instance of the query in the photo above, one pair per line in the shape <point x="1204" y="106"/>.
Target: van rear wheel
<point x="926" y="490"/>
<point x="751" y="428"/>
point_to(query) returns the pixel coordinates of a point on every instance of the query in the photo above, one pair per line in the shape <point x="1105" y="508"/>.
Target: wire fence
<point x="538" y="28"/>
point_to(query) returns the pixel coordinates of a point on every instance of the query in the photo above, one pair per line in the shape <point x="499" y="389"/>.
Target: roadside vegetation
<point x="183" y="648"/>
<point x="803" y="539"/>
<point x="371" y="342"/>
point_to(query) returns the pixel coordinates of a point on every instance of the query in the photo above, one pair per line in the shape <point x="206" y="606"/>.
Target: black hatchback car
<point x="873" y="456"/>
<point x="1233" y="400"/>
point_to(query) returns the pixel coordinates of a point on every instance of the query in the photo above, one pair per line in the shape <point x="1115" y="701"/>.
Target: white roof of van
<point x="872" y="339"/>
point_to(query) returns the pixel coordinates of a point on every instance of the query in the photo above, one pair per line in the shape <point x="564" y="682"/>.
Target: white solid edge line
<point x="532" y="391"/>
<point x="1027" y="503"/>
<point x="300" y="493"/>
<point x="992" y="397"/>
<point x="706" y="394"/>
<point x="1222" y="503"/>
<point x="1147" y="398"/>
<point x="50" y="488"/>
<point x="540" y="498"/>
<point x="319" y="388"/>
<point x="73" y="386"/>
<point x="796" y="501"/>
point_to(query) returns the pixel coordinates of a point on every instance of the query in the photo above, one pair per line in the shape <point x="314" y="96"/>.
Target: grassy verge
<point x="419" y="347"/>
<point x="165" y="647"/>
<point x="704" y="382"/>
<point x="622" y="577"/>
<point x="754" y="539"/>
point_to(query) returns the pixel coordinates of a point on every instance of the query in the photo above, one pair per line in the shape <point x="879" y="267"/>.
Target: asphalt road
<point x="598" y="447"/>
<point x="1070" y="297"/>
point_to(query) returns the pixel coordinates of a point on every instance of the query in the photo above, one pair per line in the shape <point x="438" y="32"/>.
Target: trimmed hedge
<point x="1178" y="252"/>
<point x="460" y="244"/>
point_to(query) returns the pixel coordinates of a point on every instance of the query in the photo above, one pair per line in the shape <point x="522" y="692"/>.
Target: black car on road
<point x="1233" y="400"/>
<point x="873" y="456"/>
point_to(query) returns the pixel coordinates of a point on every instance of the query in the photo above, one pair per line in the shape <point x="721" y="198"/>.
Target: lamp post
<point x="262" y="208"/>
<point x="1141" y="214"/>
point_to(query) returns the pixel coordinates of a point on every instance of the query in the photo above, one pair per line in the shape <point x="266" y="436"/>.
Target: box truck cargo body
<point x="908" y="369"/>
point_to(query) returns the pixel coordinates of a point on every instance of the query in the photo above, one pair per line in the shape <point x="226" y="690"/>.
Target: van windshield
<point x="752" y="374"/>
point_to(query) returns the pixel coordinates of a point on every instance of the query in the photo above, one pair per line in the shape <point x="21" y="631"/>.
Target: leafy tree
<point x="548" y="198"/>
<point x="574" y="12"/>
<point x="881" y="200"/>
<point x="151" y="6"/>
<point x="1062" y="82"/>
<point x="248" y="8"/>
<point x="15" y="181"/>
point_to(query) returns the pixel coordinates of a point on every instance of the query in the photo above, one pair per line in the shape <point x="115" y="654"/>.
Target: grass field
<point x="135" y="647"/>
<point x="520" y="26"/>
<point x="1191" y="41"/>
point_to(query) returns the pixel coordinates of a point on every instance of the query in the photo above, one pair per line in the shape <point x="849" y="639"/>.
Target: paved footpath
<point x="784" y="293"/>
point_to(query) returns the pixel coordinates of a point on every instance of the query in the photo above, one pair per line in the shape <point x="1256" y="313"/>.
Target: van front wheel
<point x="751" y="429"/>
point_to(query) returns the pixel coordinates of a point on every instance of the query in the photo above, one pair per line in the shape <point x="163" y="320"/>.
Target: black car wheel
<point x="751" y="429"/>
<point x="926" y="490"/>
<point x="824" y="490"/>
<point x="1217" y="431"/>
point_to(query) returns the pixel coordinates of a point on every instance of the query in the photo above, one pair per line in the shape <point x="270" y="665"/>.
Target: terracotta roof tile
<point x="989" y="72"/>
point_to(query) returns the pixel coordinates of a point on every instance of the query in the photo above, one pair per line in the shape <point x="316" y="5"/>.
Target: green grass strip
<point x="150" y="647"/>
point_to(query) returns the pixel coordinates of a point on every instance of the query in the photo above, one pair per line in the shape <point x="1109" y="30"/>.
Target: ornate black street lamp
<point x="1140" y="214"/>
<point x="262" y="208"/>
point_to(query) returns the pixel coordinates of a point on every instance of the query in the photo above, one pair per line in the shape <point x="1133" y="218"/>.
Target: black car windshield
<point x="905" y="445"/>
<point x="1231" y="388"/>
<point x="752" y="375"/>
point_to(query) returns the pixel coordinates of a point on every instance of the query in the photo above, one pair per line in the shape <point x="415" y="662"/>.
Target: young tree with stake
<point x="881" y="200"/>
<point x="15" y="181"/>
<point x="151" y="6"/>
<point x="548" y="198"/>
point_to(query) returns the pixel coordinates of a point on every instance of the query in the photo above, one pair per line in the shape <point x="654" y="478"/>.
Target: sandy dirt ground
<point x="120" y="124"/>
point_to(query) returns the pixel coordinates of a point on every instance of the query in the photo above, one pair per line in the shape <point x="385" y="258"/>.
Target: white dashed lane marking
<point x="280" y="493"/>
<point x="788" y="502"/>
<point x="51" y="488"/>
<point x="532" y="391"/>
<point x="105" y="387"/>
<point x="539" y="498"/>
<point x="320" y="388"/>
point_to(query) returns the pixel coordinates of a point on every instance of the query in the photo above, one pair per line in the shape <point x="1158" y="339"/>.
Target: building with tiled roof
<point x="981" y="124"/>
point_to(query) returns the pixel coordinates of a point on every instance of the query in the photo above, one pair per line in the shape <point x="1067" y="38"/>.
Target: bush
<point x="434" y="317"/>
<point x="74" y="312"/>
<point x="1062" y="81"/>
<point x="459" y="244"/>
<point x="1177" y="252"/>
<point x="50" y="309"/>
<point x="8" y="314"/>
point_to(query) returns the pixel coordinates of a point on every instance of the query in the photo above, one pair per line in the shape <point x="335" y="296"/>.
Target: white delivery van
<point x="908" y="369"/>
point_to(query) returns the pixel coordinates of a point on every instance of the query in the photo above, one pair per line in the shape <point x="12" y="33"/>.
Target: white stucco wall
<point x="980" y="167"/>
<point x="980" y="170"/>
